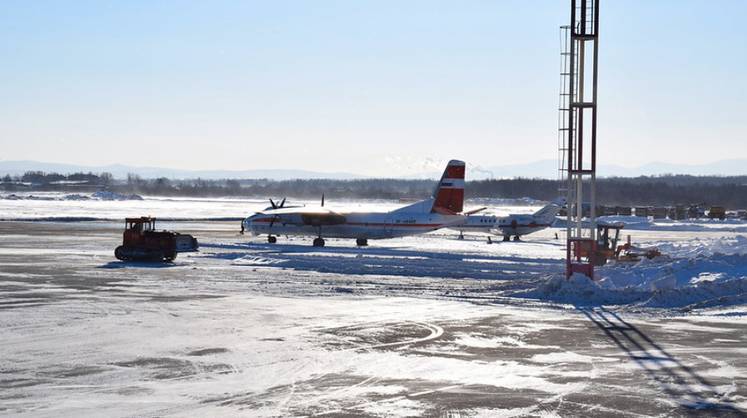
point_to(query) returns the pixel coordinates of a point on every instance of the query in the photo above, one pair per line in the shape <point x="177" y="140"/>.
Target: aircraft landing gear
<point x="272" y="239"/>
<point x="461" y="235"/>
<point x="361" y="242"/>
<point x="490" y="240"/>
<point x="506" y="238"/>
<point x="517" y="239"/>
<point x="319" y="242"/>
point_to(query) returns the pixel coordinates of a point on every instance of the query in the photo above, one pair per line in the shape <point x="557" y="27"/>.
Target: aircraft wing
<point x="473" y="211"/>
<point x="305" y="216"/>
<point x="297" y="211"/>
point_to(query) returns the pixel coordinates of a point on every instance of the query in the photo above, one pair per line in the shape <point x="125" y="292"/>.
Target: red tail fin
<point x="449" y="194"/>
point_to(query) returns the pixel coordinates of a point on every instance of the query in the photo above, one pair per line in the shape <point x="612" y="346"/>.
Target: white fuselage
<point x="512" y="225"/>
<point x="518" y="225"/>
<point x="410" y="220"/>
<point x="477" y="223"/>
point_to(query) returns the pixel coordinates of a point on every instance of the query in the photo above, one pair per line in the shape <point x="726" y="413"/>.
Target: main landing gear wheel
<point x="516" y="238"/>
<point x="506" y="238"/>
<point x="272" y="239"/>
<point x="361" y="242"/>
<point x="461" y="236"/>
<point x="319" y="242"/>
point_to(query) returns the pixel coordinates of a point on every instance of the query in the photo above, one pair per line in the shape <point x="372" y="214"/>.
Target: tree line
<point x="665" y="190"/>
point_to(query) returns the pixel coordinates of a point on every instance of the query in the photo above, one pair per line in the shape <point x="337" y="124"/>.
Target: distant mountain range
<point x="537" y="169"/>
<point x="121" y="171"/>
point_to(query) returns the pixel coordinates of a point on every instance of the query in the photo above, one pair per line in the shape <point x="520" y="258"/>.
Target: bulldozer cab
<point x="608" y="234"/>
<point x="140" y="225"/>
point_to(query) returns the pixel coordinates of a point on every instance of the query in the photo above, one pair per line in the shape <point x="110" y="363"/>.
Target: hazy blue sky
<point x="372" y="87"/>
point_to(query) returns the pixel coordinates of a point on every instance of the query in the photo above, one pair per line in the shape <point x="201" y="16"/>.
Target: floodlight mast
<point x="578" y="133"/>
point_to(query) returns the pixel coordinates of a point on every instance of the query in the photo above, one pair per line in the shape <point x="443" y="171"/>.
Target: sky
<point x="369" y="87"/>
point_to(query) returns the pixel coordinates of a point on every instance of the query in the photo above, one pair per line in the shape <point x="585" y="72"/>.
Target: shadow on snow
<point x="140" y="264"/>
<point x="676" y="379"/>
<point x="394" y="261"/>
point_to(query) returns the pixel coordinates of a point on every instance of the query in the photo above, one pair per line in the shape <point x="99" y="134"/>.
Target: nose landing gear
<point x="361" y="242"/>
<point x="272" y="239"/>
<point x="318" y="242"/>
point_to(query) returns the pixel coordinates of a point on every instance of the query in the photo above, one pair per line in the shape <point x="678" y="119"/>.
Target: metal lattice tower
<point x="577" y="133"/>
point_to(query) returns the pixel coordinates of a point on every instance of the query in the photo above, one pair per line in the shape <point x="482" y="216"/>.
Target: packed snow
<point x="696" y="274"/>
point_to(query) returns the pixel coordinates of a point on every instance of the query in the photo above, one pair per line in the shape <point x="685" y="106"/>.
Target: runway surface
<point x="410" y="327"/>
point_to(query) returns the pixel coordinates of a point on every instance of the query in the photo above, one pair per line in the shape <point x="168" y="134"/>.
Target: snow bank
<point x="692" y="225"/>
<point x="635" y="223"/>
<point x="107" y="195"/>
<point x="100" y="195"/>
<point x="76" y="197"/>
<point x="14" y="196"/>
<point x="694" y="275"/>
<point x="705" y="247"/>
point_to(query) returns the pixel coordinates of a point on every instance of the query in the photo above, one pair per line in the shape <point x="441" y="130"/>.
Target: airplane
<point x="511" y="225"/>
<point x="439" y="211"/>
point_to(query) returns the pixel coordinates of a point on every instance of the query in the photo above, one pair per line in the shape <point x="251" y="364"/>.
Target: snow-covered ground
<point x="425" y="325"/>
<point x="57" y="206"/>
<point x="704" y="262"/>
<point x="106" y="206"/>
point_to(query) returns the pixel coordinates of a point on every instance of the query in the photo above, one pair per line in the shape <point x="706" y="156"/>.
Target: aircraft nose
<point x="248" y="225"/>
<point x="249" y="222"/>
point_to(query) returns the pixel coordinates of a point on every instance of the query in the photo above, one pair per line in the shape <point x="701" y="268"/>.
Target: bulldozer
<point x="141" y="242"/>
<point x="606" y="247"/>
<point x="608" y="235"/>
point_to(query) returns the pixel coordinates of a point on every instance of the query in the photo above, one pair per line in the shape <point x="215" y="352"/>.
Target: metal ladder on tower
<point x="564" y="106"/>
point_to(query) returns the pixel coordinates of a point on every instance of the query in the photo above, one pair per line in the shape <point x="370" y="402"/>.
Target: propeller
<point x="277" y="205"/>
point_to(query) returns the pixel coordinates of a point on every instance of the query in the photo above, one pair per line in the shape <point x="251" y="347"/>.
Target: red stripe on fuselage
<point x="371" y="224"/>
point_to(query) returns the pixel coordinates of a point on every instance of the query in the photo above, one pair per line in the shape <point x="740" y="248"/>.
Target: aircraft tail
<point x="448" y="198"/>
<point x="547" y="214"/>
